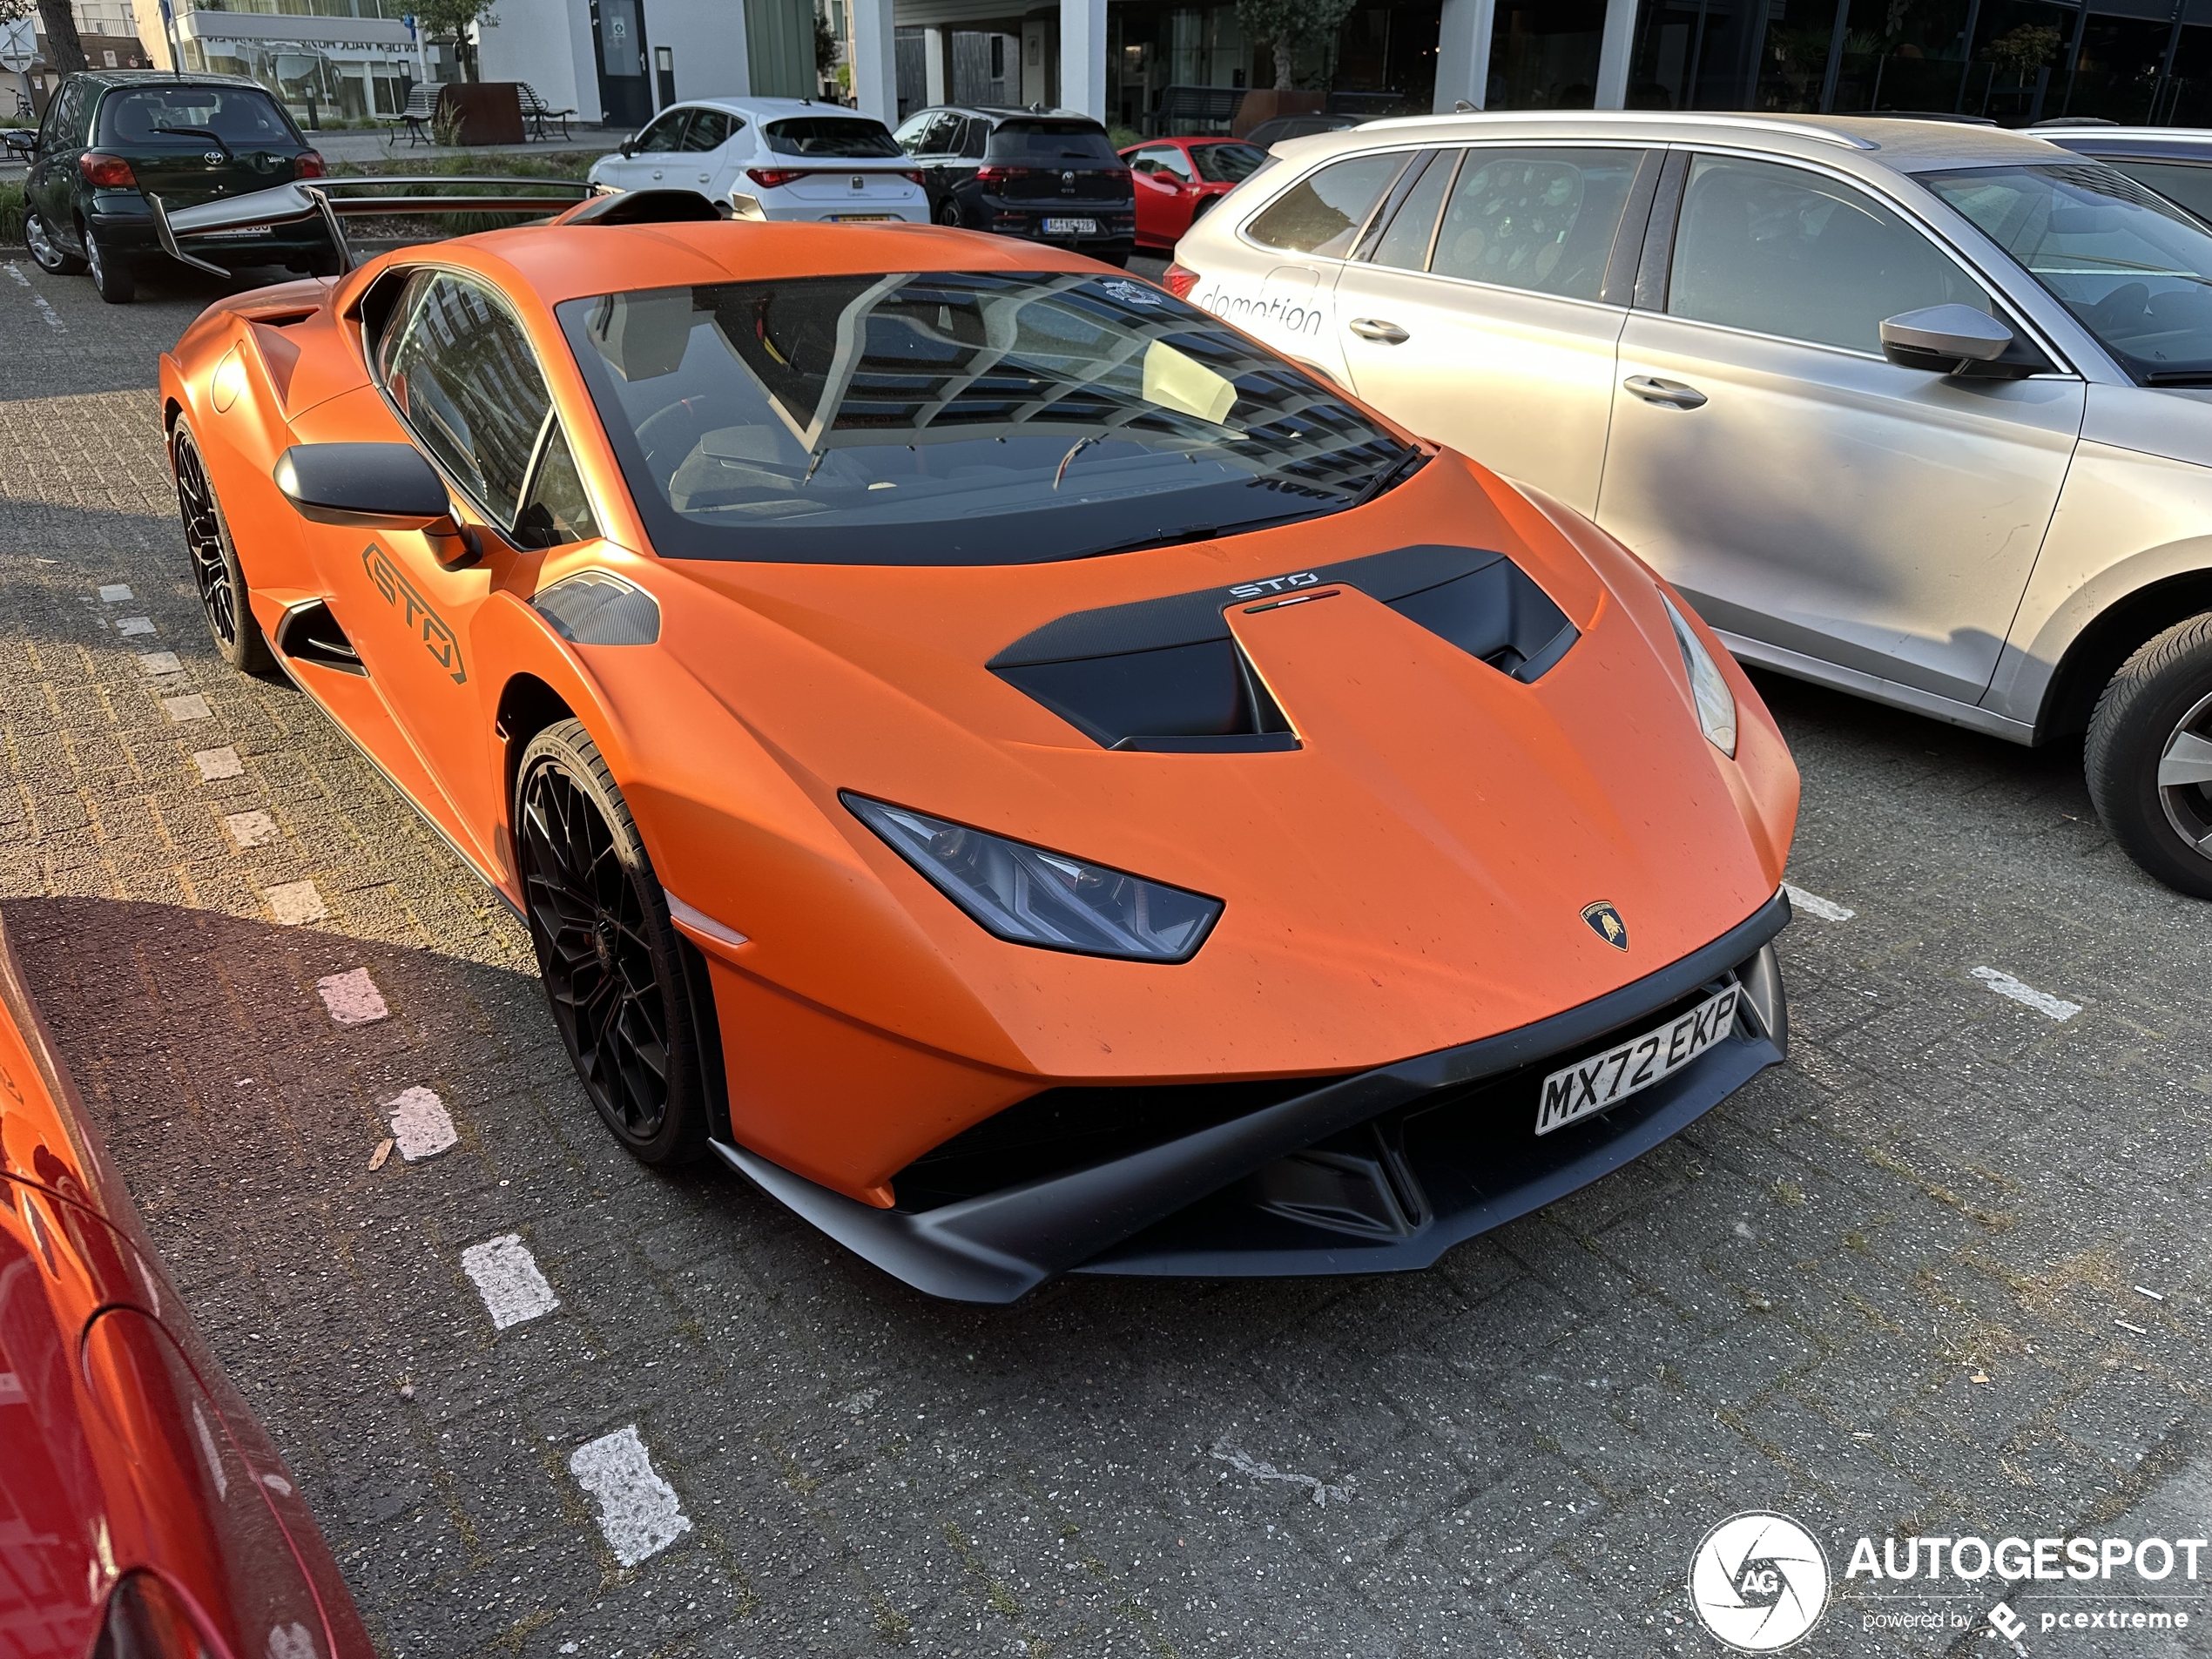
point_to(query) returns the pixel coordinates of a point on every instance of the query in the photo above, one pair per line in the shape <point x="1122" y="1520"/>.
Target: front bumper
<point x="1380" y="1171"/>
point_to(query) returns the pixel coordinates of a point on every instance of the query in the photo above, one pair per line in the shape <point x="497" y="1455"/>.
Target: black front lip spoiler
<point x="999" y="1246"/>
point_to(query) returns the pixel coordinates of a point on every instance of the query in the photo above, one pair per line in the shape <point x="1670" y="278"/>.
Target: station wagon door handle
<point x="1673" y="393"/>
<point x="1375" y="328"/>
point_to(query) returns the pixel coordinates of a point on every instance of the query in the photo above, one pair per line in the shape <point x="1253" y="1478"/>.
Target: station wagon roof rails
<point x="1663" y="117"/>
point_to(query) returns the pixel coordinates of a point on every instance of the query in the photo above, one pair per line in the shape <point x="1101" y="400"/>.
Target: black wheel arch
<point x="2116" y="635"/>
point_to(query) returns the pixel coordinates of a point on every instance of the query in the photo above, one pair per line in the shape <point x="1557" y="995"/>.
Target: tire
<point x="224" y="598"/>
<point x="2155" y="719"/>
<point x="111" y="273"/>
<point x="1204" y="207"/>
<point x="46" y="254"/>
<point x="948" y="212"/>
<point x="612" y="962"/>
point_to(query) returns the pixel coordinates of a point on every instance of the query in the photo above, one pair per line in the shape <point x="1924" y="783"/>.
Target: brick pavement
<point x="1514" y="1454"/>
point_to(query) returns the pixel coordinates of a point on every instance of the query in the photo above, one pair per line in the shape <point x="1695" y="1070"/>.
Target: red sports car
<point x="143" y="1512"/>
<point x="1178" y="179"/>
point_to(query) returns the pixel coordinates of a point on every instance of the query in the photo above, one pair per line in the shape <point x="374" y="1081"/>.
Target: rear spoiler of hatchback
<point x="333" y="199"/>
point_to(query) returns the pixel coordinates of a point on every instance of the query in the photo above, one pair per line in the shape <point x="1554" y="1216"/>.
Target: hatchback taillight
<point x="307" y="164"/>
<point x="1179" y="281"/>
<point x="107" y="171"/>
<point x="912" y="175"/>
<point x="989" y="176"/>
<point x="774" y="177"/>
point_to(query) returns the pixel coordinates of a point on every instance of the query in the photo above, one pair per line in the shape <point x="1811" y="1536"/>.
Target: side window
<point x="1412" y="227"/>
<point x="909" y="136"/>
<point x="943" y="137"/>
<point x="1322" y="214"/>
<point x="665" y="134"/>
<point x="556" y="512"/>
<point x="975" y="140"/>
<point x="710" y="129"/>
<point x="1542" y="219"/>
<point x="2187" y="183"/>
<point x="466" y="382"/>
<point x="66" y="116"/>
<point x="1168" y="159"/>
<point x="1780" y="251"/>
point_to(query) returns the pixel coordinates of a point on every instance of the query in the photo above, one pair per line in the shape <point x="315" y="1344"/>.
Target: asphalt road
<point x="1889" y="1288"/>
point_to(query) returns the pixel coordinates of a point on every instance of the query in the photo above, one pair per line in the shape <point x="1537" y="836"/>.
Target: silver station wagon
<point x="1916" y="409"/>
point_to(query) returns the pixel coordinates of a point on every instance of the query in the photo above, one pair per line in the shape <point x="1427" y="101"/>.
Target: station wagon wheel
<point x="215" y="567"/>
<point x="608" y="954"/>
<point x="49" y="254"/>
<point x="2150" y="757"/>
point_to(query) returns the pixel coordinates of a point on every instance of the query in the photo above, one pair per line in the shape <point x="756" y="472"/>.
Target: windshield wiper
<point x="2178" y="377"/>
<point x="201" y="132"/>
<point x="1189" y="533"/>
<point x="1383" y="480"/>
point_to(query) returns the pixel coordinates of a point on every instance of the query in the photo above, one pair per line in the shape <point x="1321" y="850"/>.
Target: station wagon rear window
<point x="958" y="418"/>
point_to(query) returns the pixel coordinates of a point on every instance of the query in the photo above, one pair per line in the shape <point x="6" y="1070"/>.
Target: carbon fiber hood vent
<point x="1165" y="675"/>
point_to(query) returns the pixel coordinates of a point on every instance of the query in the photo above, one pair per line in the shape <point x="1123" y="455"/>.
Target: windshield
<point x="2133" y="269"/>
<point x="238" y="115"/>
<point x="1051" y="142"/>
<point x="958" y="418"/>
<point x="1226" y="163"/>
<point x="830" y="135"/>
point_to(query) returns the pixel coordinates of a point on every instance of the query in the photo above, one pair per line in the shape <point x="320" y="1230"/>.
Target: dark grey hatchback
<point x="1045" y="175"/>
<point x="111" y="138"/>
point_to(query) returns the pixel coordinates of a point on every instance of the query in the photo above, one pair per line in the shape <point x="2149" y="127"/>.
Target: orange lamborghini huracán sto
<point x="1034" y="780"/>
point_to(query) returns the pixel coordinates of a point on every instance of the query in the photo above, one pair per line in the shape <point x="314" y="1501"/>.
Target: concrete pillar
<point x="875" y="60"/>
<point x="1083" y="56"/>
<point x="1618" y="42"/>
<point x="1463" y="53"/>
<point x="932" y="66"/>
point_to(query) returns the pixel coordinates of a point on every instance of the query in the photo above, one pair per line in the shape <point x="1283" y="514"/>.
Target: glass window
<point x="710" y="129"/>
<point x="1544" y="54"/>
<point x="830" y="135"/>
<point x="957" y="418"/>
<point x="1323" y="213"/>
<point x="1227" y="164"/>
<point x="2181" y="182"/>
<point x="1042" y="142"/>
<point x="186" y="114"/>
<point x="2134" y="270"/>
<point x="1412" y="227"/>
<point x="464" y="379"/>
<point x="1163" y="159"/>
<point x="665" y="134"/>
<point x="975" y="137"/>
<point x="909" y="135"/>
<point x="1540" y="219"/>
<point x="557" y="511"/>
<point x="1781" y="251"/>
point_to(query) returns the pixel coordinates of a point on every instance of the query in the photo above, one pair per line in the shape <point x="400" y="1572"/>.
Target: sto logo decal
<point x="439" y="640"/>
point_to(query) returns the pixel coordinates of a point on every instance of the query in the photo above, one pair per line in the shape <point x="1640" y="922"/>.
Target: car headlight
<point x="1029" y="896"/>
<point x="1715" y="702"/>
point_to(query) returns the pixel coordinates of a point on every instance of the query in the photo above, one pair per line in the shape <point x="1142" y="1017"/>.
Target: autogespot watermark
<point x="1760" y="1583"/>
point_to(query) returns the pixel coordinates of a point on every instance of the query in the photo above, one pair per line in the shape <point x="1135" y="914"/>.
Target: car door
<point x="698" y="161"/>
<point x="933" y="139"/>
<point x="1487" y="311"/>
<point x="646" y="165"/>
<point x="459" y="372"/>
<point x="1160" y="174"/>
<point x="1805" y="493"/>
<point x="51" y="182"/>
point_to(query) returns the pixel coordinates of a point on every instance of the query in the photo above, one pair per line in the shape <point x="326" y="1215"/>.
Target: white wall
<point x="1083" y="56"/>
<point x="875" y="60"/>
<point x="535" y="41"/>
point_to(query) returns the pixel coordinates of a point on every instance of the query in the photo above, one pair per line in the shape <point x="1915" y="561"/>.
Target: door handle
<point x="1375" y="328"/>
<point x="1672" y="393"/>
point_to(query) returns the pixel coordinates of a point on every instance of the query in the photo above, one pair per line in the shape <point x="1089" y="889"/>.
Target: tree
<point x="1291" y="26"/>
<point x="447" y="20"/>
<point x="63" y="49"/>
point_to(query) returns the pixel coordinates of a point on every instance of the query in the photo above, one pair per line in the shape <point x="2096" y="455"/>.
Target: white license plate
<point x="1071" y="227"/>
<point x="1592" y="1085"/>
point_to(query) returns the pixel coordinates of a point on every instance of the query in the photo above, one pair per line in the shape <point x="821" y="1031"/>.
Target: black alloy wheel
<point x="215" y="561"/>
<point x="948" y="212"/>
<point x="50" y="255"/>
<point x="613" y="969"/>
<point x="2148" y="758"/>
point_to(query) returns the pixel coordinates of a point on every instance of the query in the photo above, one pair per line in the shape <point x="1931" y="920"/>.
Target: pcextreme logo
<point x="438" y="640"/>
<point x="1759" y="1581"/>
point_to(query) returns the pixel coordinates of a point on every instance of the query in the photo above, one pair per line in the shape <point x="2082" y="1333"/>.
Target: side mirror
<point x="374" y="486"/>
<point x="1950" y="340"/>
<point x="627" y="147"/>
<point x="21" y="142"/>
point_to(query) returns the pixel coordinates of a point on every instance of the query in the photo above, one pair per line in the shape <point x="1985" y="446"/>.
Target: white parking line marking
<point x="638" y="1512"/>
<point x="514" y="1291"/>
<point x="1813" y="905"/>
<point x="352" y="997"/>
<point x="191" y="706"/>
<point x="249" y="829"/>
<point x="52" y="317"/>
<point x="419" y="1123"/>
<point x="161" y="662"/>
<point x="215" y="764"/>
<point x="293" y="902"/>
<point x="115" y="593"/>
<point x="136" y="625"/>
<point x="2041" y="1002"/>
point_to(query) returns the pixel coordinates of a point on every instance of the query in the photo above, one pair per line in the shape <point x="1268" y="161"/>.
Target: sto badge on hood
<point x="1605" y="921"/>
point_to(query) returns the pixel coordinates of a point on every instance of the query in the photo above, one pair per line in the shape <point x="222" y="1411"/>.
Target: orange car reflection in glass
<point x="1033" y="779"/>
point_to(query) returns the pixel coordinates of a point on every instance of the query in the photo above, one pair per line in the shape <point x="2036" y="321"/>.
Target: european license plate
<point x="861" y="219"/>
<point x="1591" y="1085"/>
<point x="1071" y="227"/>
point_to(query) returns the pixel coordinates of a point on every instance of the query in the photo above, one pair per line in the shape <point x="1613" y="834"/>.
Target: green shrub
<point x="11" y="213"/>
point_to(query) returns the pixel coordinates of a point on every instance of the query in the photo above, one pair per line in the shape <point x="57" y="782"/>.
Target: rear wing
<point x="333" y="200"/>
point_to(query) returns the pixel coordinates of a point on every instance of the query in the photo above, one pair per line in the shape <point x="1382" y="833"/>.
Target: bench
<point x="537" y="111"/>
<point x="1182" y="107"/>
<point x="422" y="110"/>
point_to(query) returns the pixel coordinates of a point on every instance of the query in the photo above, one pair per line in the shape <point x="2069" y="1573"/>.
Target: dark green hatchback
<point x="111" y="137"/>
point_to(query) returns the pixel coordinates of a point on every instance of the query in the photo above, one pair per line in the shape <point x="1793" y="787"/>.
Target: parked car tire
<point x="2150" y="757"/>
<point x="948" y="212"/>
<point x="224" y="596"/>
<point x="111" y="273"/>
<point x="47" y="253"/>
<point x="612" y="963"/>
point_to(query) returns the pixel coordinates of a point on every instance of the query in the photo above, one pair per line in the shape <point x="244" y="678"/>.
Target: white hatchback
<point x="773" y="158"/>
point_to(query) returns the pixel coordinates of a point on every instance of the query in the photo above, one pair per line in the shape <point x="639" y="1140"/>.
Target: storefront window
<point x="1544" y="56"/>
